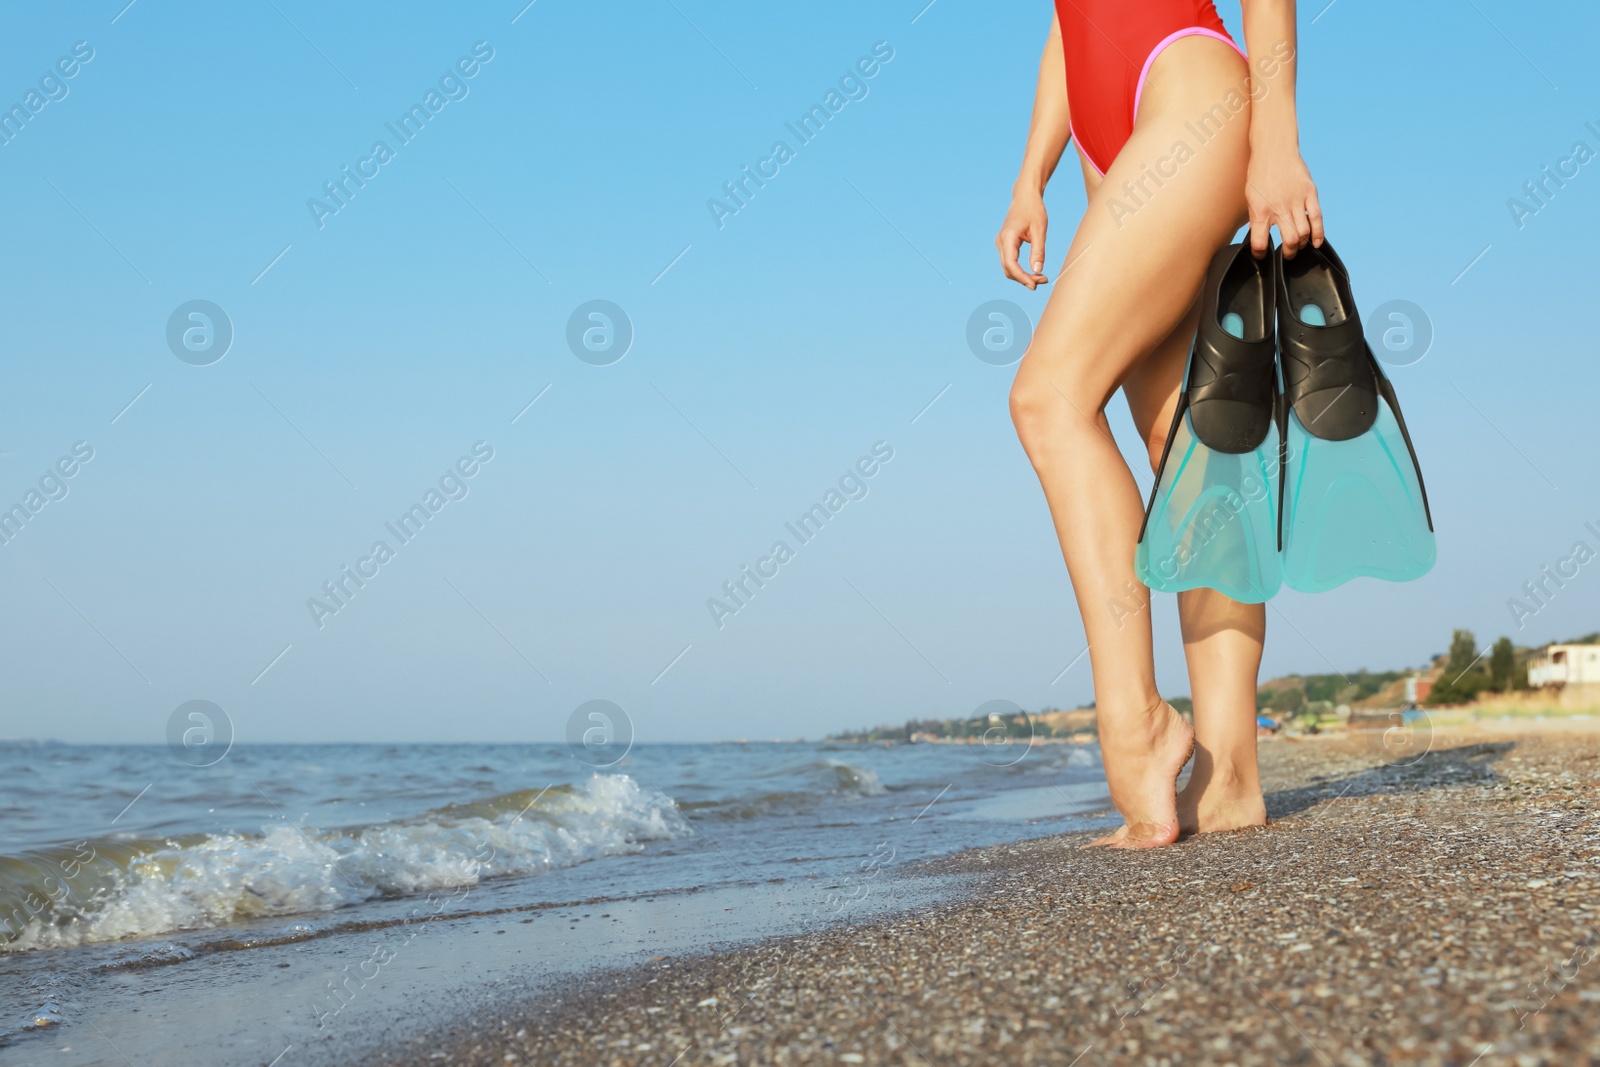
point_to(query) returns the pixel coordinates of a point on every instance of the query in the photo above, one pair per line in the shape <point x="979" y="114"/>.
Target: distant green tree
<point x="1347" y="688"/>
<point x="1502" y="663"/>
<point x="1519" y="675"/>
<point x="1462" y="690"/>
<point x="1290" y="700"/>
<point x="1464" y="675"/>
<point x="1463" y="653"/>
<point x="1322" y="686"/>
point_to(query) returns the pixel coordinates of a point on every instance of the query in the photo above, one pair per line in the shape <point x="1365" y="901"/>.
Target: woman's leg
<point x="1221" y="638"/>
<point x="1222" y="642"/>
<point x="1136" y="262"/>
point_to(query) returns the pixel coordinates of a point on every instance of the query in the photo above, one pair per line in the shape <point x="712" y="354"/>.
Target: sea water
<point x="291" y="861"/>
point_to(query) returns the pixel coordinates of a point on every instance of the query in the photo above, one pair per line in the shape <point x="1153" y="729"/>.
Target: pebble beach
<point x="1438" y="908"/>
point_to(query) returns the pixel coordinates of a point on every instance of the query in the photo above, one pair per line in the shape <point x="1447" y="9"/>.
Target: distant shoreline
<point x="1075" y="739"/>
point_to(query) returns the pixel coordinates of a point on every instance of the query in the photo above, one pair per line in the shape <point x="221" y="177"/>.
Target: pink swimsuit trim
<point x="1161" y="46"/>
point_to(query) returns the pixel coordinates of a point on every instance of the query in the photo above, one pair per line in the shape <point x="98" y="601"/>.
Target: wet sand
<point x="1440" y="908"/>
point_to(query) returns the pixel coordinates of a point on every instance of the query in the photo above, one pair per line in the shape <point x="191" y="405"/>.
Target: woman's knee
<point x="1050" y="414"/>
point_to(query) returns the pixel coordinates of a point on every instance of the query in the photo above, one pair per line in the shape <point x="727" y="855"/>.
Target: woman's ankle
<point x="1226" y="775"/>
<point x="1135" y="721"/>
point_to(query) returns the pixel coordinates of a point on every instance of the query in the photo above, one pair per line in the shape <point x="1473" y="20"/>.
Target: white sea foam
<point x="287" y="870"/>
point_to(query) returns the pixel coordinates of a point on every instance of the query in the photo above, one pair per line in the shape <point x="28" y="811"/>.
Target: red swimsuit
<point x="1109" y="46"/>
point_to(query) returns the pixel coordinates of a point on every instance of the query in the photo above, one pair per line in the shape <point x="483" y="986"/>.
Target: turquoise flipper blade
<point x="1353" y="509"/>
<point x="1215" y="521"/>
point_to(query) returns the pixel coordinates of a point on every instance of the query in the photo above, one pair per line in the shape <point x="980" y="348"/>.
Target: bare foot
<point x="1114" y="838"/>
<point x="1143" y="754"/>
<point x="1218" y="799"/>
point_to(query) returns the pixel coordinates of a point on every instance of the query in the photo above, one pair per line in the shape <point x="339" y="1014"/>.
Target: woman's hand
<point x="1280" y="192"/>
<point x="1025" y="224"/>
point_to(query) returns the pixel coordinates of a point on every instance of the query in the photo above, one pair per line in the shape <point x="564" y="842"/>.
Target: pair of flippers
<point x="1288" y="461"/>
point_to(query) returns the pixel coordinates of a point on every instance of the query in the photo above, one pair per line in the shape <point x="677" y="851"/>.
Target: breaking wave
<point x="111" y="888"/>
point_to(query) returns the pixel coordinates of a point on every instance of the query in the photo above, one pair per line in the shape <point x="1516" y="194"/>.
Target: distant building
<point x="1418" y="688"/>
<point x="1559" y="666"/>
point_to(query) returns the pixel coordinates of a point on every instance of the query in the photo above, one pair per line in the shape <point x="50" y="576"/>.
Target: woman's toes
<point x="1111" y="840"/>
<point x="1149" y="835"/>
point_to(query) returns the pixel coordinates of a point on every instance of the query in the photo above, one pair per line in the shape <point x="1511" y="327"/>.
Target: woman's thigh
<point x="1173" y="195"/>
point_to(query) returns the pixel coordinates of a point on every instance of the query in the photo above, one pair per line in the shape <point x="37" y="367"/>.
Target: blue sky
<point x="769" y="355"/>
